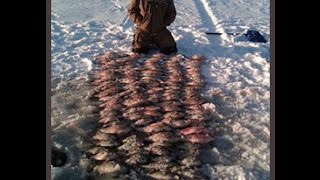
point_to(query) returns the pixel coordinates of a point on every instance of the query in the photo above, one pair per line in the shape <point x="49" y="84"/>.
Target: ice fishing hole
<point x="58" y="158"/>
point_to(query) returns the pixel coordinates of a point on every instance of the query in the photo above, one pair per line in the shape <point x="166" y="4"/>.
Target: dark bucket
<point x="255" y="36"/>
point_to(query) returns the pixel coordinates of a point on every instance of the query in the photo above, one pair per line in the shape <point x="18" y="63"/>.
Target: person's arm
<point x="171" y="14"/>
<point x="134" y="12"/>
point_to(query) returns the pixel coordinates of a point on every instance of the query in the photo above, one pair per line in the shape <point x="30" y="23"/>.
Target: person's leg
<point x="165" y="42"/>
<point x="141" y="41"/>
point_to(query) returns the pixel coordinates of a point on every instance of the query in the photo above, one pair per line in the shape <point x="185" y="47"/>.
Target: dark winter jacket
<point x="152" y="15"/>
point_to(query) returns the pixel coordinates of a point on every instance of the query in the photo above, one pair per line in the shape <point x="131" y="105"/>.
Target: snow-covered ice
<point x="237" y="72"/>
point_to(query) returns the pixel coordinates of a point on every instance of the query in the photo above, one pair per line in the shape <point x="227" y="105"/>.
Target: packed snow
<point x="237" y="72"/>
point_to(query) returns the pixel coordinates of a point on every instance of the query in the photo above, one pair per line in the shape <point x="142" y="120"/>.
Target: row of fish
<point x="151" y="116"/>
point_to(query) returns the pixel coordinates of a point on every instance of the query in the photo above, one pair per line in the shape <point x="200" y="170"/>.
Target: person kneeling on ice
<point x="151" y="18"/>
